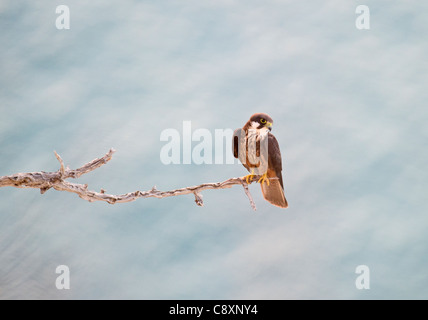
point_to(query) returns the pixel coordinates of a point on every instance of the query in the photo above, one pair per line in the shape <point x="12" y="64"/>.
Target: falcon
<point x="266" y="159"/>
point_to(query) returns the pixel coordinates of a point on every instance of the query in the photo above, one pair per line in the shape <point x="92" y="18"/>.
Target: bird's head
<point x="260" y="121"/>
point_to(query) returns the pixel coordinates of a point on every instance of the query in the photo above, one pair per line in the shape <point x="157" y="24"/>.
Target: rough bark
<point x="57" y="180"/>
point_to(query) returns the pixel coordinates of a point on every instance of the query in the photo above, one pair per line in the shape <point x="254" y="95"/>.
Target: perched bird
<point x="258" y="128"/>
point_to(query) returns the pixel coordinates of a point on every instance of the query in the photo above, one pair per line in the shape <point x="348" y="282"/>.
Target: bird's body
<point x="253" y="157"/>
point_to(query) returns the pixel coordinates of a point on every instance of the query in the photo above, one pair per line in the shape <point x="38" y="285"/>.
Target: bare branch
<point x="198" y="199"/>
<point x="61" y="169"/>
<point x="94" y="164"/>
<point x="247" y="192"/>
<point x="56" y="180"/>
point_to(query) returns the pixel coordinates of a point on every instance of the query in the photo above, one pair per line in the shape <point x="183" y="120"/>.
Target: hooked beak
<point x="269" y="125"/>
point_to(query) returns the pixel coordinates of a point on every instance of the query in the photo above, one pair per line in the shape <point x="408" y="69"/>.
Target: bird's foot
<point x="250" y="177"/>
<point x="264" y="179"/>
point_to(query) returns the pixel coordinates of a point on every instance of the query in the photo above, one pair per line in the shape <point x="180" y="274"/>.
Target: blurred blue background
<point x="350" y="115"/>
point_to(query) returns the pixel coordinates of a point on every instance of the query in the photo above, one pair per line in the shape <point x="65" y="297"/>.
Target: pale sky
<point x="349" y="111"/>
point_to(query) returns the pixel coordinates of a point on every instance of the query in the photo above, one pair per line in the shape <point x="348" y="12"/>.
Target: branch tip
<point x="247" y="192"/>
<point x="198" y="199"/>
<point x="61" y="162"/>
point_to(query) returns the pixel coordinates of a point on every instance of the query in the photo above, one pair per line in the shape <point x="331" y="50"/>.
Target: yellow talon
<point x="250" y="177"/>
<point x="264" y="179"/>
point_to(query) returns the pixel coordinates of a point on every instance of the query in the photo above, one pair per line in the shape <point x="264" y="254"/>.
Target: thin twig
<point x="247" y="192"/>
<point x="61" y="162"/>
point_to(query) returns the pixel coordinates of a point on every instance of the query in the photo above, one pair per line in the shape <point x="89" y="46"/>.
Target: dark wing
<point x="275" y="159"/>
<point x="274" y="192"/>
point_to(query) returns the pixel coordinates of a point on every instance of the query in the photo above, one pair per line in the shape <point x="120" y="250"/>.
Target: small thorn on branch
<point x="111" y="201"/>
<point x="43" y="190"/>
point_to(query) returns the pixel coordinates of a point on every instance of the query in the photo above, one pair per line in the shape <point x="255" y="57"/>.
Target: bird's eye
<point x="263" y="121"/>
